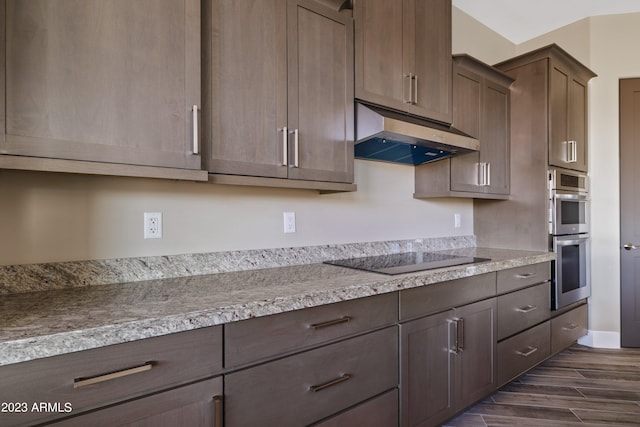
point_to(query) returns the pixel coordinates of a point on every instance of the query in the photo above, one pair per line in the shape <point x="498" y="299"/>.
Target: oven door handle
<point x="571" y="196"/>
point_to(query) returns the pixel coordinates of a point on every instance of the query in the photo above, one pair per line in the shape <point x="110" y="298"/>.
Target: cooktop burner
<point x="406" y="262"/>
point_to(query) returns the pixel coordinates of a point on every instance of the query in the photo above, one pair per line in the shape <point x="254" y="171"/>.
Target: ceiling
<point x="522" y="20"/>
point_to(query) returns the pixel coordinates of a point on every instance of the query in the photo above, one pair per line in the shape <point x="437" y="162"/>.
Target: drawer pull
<point x="570" y="327"/>
<point x="527" y="309"/>
<point x="333" y="322"/>
<point x="217" y="408"/>
<point x="341" y="379"/>
<point x="83" y="382"/>
<point x="525" y="275"/>
<point x="527" y="353"/>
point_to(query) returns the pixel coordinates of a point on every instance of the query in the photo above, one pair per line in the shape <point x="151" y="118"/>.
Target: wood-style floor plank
<point x="581" y="386"/>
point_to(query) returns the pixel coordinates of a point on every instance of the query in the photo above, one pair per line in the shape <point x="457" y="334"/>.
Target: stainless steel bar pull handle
<point x="285" y="146"/>
<point x="530" y="350"/>
<point x="196" y="142"/>
<point x="527" y="309"/>
<point x="333" y="322"/>
<point x="630" y="246"/>
<point x="525" y="275"/>
<point x="217" y="407"/>
<point x="570" y="327"/>
<point x="415" y="89"/>
<point x="296" y="146"/>
<point x="340" y="379"/>
<point x="488" y="174"/>
<point x="410" y="78"/>
<point x="572" y="151"/>
<point x="481" y="174"/>
<point x="83" y="382"/>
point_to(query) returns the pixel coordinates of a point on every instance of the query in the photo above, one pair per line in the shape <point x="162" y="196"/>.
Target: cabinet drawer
<point x="255" y="339"/>
<point x="99" y="377"/>
<point x="522" y="309"/>
<point x="381" y="411"/>
<point x="568" y="327"/>
<point x="520" y="277"/>
<point x="445" y="295"/>
<point x="307" y="387"/>
<point x="523" y="351"/>
<point x="193" y="405"/>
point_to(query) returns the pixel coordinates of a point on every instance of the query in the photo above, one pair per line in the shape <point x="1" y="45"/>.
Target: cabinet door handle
<point x="525" y="275"/>
<point x="408" y="77"/>
<point x="530" y="350"/>
<point x="572" y="151"/>
<point x="285" y="146"/>
<point x="196" y="143"/>
<point x="320" y="387"/>
<point x="460" y="334"/>
<point x="296" y="155"/>
<point x="570" y="327"/>
<point x="333" y="322"/>
<point x="217" y="408"/>
<point x="527" y="309"/>
<point x="415" y="88"/>
<point x="488" y="174"/>
<point x="83" y="382"/>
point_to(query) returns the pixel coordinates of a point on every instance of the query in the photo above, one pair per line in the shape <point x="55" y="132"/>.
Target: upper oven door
<point x="569" y="213"/>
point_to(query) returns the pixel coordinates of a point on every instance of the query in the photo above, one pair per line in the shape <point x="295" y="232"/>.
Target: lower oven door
<point x="572" y="279"/>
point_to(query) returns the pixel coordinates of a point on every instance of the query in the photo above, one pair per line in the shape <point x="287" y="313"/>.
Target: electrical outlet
<point x="456" y="220"/>
<point x="289" y="222"/>
<point x="153" y="225"/>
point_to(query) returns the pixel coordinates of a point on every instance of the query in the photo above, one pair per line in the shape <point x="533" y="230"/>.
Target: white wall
<point x="56" y="217"/>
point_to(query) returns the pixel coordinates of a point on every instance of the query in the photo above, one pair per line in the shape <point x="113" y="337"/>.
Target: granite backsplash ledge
<point x="38" y="277"/>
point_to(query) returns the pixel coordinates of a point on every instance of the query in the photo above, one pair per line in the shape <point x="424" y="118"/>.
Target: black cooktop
<point x="406" y="262"/>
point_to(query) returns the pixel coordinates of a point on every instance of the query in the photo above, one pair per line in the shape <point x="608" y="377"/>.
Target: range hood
<point x="390" y="136"/>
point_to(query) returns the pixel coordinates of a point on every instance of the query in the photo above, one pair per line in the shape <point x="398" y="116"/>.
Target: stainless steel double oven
<point x="569" y="228"/>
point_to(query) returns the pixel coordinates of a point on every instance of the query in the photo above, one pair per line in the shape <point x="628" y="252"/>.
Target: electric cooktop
<point x="406" y="262"/>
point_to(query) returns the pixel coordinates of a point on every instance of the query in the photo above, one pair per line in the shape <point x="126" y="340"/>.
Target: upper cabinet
<point x="403" y="55"/>
<point x="278" y="92"/>
<point x="567" y="82"/>
<point x="481" y="101"/>
<point x="101" y="84"/>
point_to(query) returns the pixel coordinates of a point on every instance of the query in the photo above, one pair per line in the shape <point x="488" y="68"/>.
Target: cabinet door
<point x="320" y="107"/>
<point x="379" y="34"/>
<point x="578" y="123"/>
<point x="468" y="88"/>
<point x="426" y="366"/>
<point x="495" y="137"/>
<point x="475" y="375"/>
<point x="196" y="405"/>
<point x="428" y="27"/>
<point x="245" y="87"/>
<point x="110" y="81"/>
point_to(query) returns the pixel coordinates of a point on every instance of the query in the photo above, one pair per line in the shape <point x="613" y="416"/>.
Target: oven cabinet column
<point x="447" y="363"/>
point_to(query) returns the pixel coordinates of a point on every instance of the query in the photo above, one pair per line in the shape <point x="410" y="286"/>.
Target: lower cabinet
<point x="195" y="405"/>
<point x="447" y="362"/>
<point x="522" y="352"/>
<point x="381" y="411"/>
<point x="310" y="386"/>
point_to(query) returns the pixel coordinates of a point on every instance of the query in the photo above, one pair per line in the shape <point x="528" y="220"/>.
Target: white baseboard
<point x="601" y="339"/>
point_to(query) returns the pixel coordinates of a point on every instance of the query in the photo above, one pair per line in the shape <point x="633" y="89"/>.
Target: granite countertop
<point x="48" y="323"/>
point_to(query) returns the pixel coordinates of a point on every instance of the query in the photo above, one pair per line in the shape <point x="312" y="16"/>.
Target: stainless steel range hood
<point x="390" y="136"/>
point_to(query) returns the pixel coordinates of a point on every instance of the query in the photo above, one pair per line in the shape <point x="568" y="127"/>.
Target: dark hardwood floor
<point x="580" y="386"/>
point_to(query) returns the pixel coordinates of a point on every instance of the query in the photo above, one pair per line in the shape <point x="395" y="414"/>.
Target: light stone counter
<point x="48" y="323"/>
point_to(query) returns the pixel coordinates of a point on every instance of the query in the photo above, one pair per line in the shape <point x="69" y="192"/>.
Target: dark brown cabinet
<point x="447" y="362"/>
<point x="310" y="386"/>
<point x="481" y="98"/>
<point x="403" y="55"/>
<point x="278" y="90"/>
<point x="195" y="405"/>
<point x="149" y="377"/>
<point x="565" y="103"/>
<point x="101" y="83"/>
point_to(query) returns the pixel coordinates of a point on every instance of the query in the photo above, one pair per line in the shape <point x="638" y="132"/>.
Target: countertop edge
<point x="14" y="351"/>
